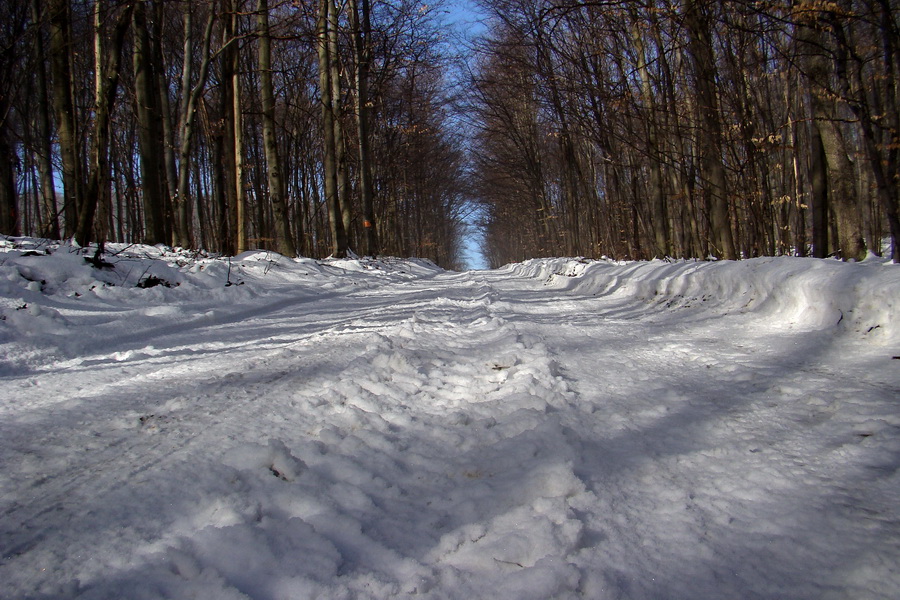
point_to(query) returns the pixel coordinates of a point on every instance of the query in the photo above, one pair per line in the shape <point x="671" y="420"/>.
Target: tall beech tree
<point x="328" y="76"/>
<point x="285" y="239"/>
<point x="61" y="49"/>
<point x="107" y="62"/>
<point x="149" y="117"/>
<point x="361" y="24"/>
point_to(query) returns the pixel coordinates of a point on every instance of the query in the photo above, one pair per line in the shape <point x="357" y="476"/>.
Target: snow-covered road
<point x="549" y="430"/>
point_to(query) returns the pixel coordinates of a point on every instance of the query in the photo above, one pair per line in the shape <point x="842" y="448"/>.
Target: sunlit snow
<point x="274" y="428"/>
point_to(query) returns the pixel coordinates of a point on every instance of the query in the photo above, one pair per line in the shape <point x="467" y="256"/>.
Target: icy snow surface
<point x="384" y="429"/>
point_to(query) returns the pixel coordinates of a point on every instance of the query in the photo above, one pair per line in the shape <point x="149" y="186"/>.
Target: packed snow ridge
<point x="176" y="425"/>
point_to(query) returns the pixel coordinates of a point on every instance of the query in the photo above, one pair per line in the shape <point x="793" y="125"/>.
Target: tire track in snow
<point x="443" y="420"/>
<point x="123" y="443"/>
<point x="475" y="436"/>
<point x="438" y="419"/>
<point x="710" y="446"/>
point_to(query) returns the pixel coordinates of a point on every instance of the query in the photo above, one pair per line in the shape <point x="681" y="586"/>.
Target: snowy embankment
<point x="793" y="292"/>
<point x="271" y="428"/>
<point x="52" y="298"/>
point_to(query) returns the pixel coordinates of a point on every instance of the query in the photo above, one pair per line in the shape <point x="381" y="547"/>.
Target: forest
<point x="632" y="130"/>
<point x="688" y="129"/>
<point x="307" y="128"/>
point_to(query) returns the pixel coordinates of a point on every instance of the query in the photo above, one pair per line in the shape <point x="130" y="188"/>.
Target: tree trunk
<point x="149" y="120"/>
<point x="818" y="176"/>
<point x="658" y="210"/>
<point x="64" y="106"/>
<point x="712" y="172"/>
<point x="340" y="143"/>
<point x="225" y="144"/>
<point x="240" y="200"/>
<point x="9" y="211"/>
<point x="338" y="233"/>
<point x="185" y="130"/>
<point x="362" y="31"/>
<point x="170" y="164"/>
<point x="885" y="166"/>
<point x="44" y="150"/>
<point x="285" y="241"/>
<point x="849" y="243"/>
<point x="106" y="87"/>
<point x="187" y="116"/>
<point x="233" y="131"/>
<point x="839" y="196"/>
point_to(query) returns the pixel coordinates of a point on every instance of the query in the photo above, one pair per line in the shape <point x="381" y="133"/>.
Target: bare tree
<point x="149" y="120"/>
<point x="107" y="63"/>
<point x="361" y="23"/>
<point x="285" y="239"/>
<point x="328" y="73"/>
<point x="63" y="102"/>
<point x="700" y="49"/>
<point x="190" y="94"/>
<point x="44" y="151"/>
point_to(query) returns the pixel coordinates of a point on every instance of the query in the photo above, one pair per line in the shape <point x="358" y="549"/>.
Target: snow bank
<point x="55" y="297"/>
<point x="862" y="298"/>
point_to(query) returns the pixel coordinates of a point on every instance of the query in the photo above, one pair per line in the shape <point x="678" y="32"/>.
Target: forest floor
<point x="384" y="429"/>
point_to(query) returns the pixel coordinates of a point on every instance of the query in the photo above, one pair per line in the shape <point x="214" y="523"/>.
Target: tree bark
<point x="658" y="210"/>
<point x="106" y="75"/>
<point x="885" y="166"/>
<point x="362" y="31"/>
<point x="170" y="163"/>
<point x="187" y="116"/>
<point x="228" y="194"/>
<point x="338" y="232"/>
<point x="340" y="143"/>
<point x="149" y="120"/>
<point x="712" y="171"/>
<point x="838" y="198"/>
<point x="818" y="176"/>
<point x="238" y="146"/>
<point x="9" y="211"/>
<point x="44" y="150"/>
<point x="64" y="106"/>
<point x="285" y="240"/>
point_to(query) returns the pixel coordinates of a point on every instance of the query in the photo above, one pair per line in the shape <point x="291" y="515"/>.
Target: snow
<point x="274" y="428"/>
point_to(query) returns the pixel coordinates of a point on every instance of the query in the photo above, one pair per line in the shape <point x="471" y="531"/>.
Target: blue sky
<point x="464" y="15"/>
<point x="463" y="11"/>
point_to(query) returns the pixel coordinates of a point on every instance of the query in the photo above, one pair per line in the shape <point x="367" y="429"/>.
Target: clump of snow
<point x="272" y="428"/>
<point x="275" y="458"/>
